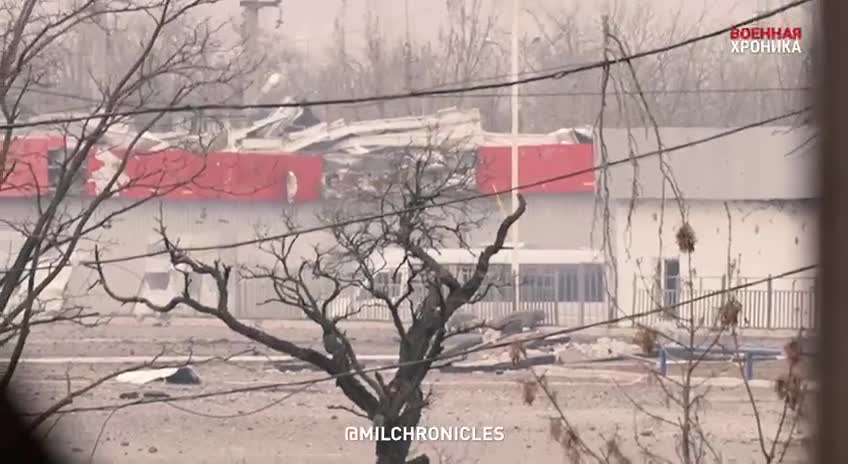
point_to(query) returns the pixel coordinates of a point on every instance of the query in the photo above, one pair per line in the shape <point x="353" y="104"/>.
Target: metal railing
<point x="562" y="304"/>
<point x="769" y="305"/>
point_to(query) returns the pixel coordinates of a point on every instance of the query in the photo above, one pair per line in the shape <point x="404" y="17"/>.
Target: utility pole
<point x="514" y="77"/>
<point x="250" y="34"/>
<point x="91" y="51"/>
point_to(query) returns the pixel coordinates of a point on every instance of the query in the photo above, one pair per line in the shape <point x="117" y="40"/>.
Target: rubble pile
<point x="602" y="348"/>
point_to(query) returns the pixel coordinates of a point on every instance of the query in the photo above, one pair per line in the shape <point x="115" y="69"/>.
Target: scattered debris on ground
<point x="148" y="394"/>
<point x="601" y="349"/>
<point x="185" y="375"/>
<point x="517" y="322"/>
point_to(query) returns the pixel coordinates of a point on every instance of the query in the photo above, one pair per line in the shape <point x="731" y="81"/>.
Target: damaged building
<point x="290" y="162"/>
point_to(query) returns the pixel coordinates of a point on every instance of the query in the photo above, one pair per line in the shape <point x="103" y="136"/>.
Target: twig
<point x="100" y="434"/>
<point x="348" y="409"/>
<point x="240" y="414"/>
<point x="552" y="398"/>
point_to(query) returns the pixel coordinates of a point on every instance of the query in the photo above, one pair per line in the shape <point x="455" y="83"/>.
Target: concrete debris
<point x="462" y="321"/>
<point x="141" y="377"/>
<point x="182" y="375"/>
<point x="501" y="362"/>
<point x="602" y="348"/>
<point x="148" y="394"/>
<point x="517" y="322"/>
<point x="548" y="343"/>
<point x="461" y="342"/>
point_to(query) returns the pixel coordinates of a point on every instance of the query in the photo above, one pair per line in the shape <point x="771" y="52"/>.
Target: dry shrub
<point x="789" y="385"/>
<point x="555" y="428"/>
<point x="646" y="339"/>
<point x="729" y="313"/>
<point x="614" y="454"/>
<point x="529" y="389"/>
<point x="788" y="388"/>
<point x="517" y="353"/>
<point x="686" y="238"/>
<point x="792" y="350"/>
<point x="570" y="442"/>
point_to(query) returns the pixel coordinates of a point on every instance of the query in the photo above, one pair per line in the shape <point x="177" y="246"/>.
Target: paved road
<point x="207" y="337"/>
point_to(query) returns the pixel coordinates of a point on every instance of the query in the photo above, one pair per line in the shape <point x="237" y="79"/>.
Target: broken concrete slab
<point x="462" y="321"/>
<point x="143" y="376"/>
<point x="601" y="349"/>
<point x="488" y="366"/>
<point x="516" y="322"/>
<point x="148" y="394"/>
<point x="293" y="365"/>
<point x="185" y="375"/>
<point x="548" y="342"/>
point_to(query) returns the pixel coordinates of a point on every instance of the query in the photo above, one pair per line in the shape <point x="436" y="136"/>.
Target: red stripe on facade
<point x="536" y="163"/>
<point x="25" y="170"/>
<point x="253" y="176"/>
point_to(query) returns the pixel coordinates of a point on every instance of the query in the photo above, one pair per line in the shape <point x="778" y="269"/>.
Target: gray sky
<point x="308" y="24"/>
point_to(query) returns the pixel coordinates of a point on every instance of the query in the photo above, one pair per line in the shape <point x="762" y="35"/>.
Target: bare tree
<point x="348" y="263"/>
<point x="164" y="66"/>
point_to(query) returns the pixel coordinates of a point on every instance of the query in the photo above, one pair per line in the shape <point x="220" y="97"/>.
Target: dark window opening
<point x="57" y="165"/>
<point x="388" y="282"/>
<point x="157" y="280"/>
<point x="567" y="283"/>
<point x="671" y="281"/>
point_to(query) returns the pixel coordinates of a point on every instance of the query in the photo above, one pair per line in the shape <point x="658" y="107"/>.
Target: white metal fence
<point x="774" y="304"/>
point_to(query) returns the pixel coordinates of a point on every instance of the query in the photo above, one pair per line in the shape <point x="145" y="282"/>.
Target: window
<point x="497" y="286"/>
<point x="56" y="165"/>
<point x="388" y="282"/>
<point x="571" y="282"/>
<point x="564" y="282"/>
<point x="671" y="281"/>
<point x="538" y="284"/>
<point x="594" y="283"/>
<point x="157" y="280"/>
<point x="195" y="284"/>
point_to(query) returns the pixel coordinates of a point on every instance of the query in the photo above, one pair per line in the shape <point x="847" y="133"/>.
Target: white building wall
<point x="765" y="238"/>
<point x="559" y="222"/>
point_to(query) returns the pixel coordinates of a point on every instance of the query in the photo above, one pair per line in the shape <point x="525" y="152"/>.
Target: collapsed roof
<point x="355" y="155"/>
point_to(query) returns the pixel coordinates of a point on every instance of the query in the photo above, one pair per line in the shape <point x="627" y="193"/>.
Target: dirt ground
<point x="600" y="400"/>
<point x="250" y="427"/>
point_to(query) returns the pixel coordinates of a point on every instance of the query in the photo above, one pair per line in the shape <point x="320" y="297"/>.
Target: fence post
<point x="581" y="293"/>
<point x="237" y="297"/>
<point x="633" y="297"/>
<point x="749" y="366"/>
<point x="557" y="296"/>
<point x="663" y="361"/>
<point x="769" y="289"/>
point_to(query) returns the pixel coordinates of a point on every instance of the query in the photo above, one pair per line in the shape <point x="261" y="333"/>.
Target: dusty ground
<point x="126" y="336"/>
<point x="257" y="427"/>
<point x="250" y="427"/>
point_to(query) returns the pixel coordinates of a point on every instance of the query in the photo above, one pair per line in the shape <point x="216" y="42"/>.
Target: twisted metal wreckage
<point x="290" y="154"/>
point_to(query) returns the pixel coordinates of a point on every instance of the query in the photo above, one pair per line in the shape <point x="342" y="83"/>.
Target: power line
<point x="583" y="93"/>
<point x="564" y="93"/>
<point x="444" y="357"/>
<point x="526" y="95"/>
<point x="417" y="94"/>
<point x="625" y="160"/>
